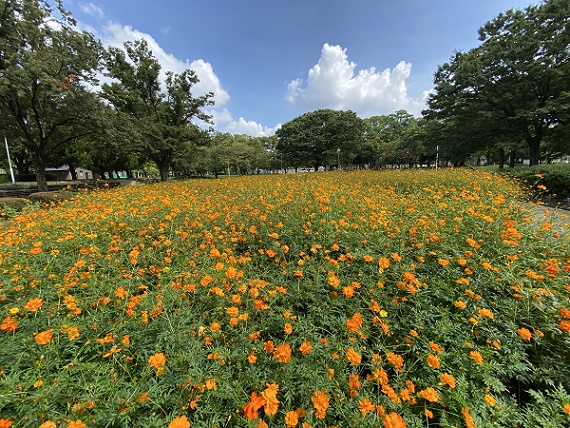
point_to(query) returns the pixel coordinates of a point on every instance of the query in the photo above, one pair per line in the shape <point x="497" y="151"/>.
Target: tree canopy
<point x="513" y="87"/>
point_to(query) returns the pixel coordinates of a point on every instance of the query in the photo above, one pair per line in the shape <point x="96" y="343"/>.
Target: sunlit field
<point x="363" y="299"/>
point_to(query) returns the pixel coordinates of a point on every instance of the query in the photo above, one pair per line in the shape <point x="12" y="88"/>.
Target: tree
<point x="164" y="117"/>
<point x="315" y="138"/>
<point x="46" y="66"/>
<point x="512" y="87"/>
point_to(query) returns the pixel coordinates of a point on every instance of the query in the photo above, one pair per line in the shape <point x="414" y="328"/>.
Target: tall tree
<point x="512" y="87"/>
<point x="320" y="138"/>
<point x="163" y="116"/>
<point x="46" y="66"/>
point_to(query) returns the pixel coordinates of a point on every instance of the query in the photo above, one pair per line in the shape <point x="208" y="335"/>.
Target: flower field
<point x="376" y="299"/>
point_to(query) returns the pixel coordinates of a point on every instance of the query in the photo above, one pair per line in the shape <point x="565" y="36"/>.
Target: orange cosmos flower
<point x="564" y="325"/>
<point x="564" y="313"/>
<point x="476" y="356"/>
<point x="567" y="408"/>
<point x="393" y="420"/>
<point x="158" y="361"/>
<point x="9" y="324"/>
<point x="433" y="361"/>
<point x="429" y="394"/>
<point x="447" y="379"/>
<point x="34" y="304"/>
<point x="283" y="353"/>
<point x="484" y="312"/>
<point x="251" y="408"/>
<point x="76" y="424"/>
<point x="288" y="329"/>
<point x="435" y="347"/>
<point x="44" y="337"/>
<point x="180" y="422"/>
<point x="468" y="419"/>
<point x="5" y="423"/>
<point x="354" y="323"/>
<point x="291" y="418"/>
<point x="443" y="262"/>
<point x="305" y="348"/>
<point x="320" y="401"/>
<point x="525" y="333"/>
<point x="384" y="263"/>
<point x="395" y="359"/>
<point x="490" y="400"/>
<point x="270" y="401"/>
<point x="48" y="424"/>
<point x="269" y="346"/>
<point x="353" y="357"/>
<point x="366" y="406"/>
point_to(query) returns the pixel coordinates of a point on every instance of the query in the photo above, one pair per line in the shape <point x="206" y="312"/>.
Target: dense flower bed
<point x="385" y="299"/>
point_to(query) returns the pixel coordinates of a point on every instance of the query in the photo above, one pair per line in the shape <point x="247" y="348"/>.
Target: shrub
<point x="552" y="179"/>
<point x="10" y="206"/>
<point x="52" y="197"/>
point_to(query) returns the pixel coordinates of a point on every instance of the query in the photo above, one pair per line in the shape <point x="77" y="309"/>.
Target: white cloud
<point x="241" y="126"/>
<point x="332" y="83"/>
<point x="116" y="35"/>
<point x="93" y="10"/>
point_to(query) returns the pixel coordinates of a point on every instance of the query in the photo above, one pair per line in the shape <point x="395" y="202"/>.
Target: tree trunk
<point x="512" y="156"/>
<point x="501" y="158"/>
<point x="72" y="172"/>
<point x="40" y="168"/>
<point x="534" y="149"/>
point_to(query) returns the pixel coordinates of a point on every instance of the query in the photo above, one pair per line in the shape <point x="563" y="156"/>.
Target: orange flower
<point x="490" y="400"/>
<point x="447" y="379"/>
<point x="269" y="346"/>
<point x="44" y="337"/>
<point x="476" y="356"/>
<point x="353" y="357"/>
<point x="305" y="348"/>
<point x="567" y="408"/>
<point x="435" y="347"/>
<point x="484" y="312"/>
<point x="564" y="325"/>
<point x="288" y="329"/>
<point x="5" y="423"/>
<point x="525" y="333"/>
<point x="283" y="353"/>
<point x="180" y="422"/>
<point x="384" y="263"/>
<point x="354" y="323"/>
<point x="76" y="424"/>
<point x="158" y="361"/>
<point x="34" y="304"/>
<point x="251" y="408"/>
<point x="210" y="384"/>
<point x="468" y="419"/>
<point x="261" y="424"/>
<point x="429" y="394"/>
<point x="366" y="406"/>
<point x="291" y="418"/>
<point x="433" y="361"/>
<point x="9" y="324"/>
<point x="48" y="424"/>
<point x="443" y="262"/>
<point x="270" y="401"/>
<point x="395" y="359"/>
<point x="394" y="420"/>
<point x="320" y="401"/>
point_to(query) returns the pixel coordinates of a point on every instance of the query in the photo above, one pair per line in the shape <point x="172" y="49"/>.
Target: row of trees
<point x="510" y="94"/>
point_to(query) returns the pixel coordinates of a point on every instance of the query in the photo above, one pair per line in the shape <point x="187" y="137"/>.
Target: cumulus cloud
<point x="116" y="35"/>
<point x="333" y="83"/>
<point x="92" y="10"/>
<point x="242" y="126"/>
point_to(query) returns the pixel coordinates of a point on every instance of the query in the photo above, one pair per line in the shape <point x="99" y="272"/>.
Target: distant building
<point x="63" y="173"/>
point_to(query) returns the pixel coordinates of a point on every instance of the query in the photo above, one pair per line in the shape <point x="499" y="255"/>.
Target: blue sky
<point x="270" y="61"/>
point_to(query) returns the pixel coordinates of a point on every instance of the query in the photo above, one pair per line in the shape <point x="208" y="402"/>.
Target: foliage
<point x="552" y="179"/>
<point x="163" y="117"/>
<point x="10" y="206"/>
<point x="320" y="138"/>
<point x="46" y="65"/>
<point x="512" y="87"/>
<point x="397" y="298"/>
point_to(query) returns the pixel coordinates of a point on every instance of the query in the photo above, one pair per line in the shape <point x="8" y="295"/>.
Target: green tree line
<point x="507" y="96"/>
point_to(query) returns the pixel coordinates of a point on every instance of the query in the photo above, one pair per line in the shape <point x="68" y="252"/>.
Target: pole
<point x="9" y="161"/>
<point x="437" y="157"/>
